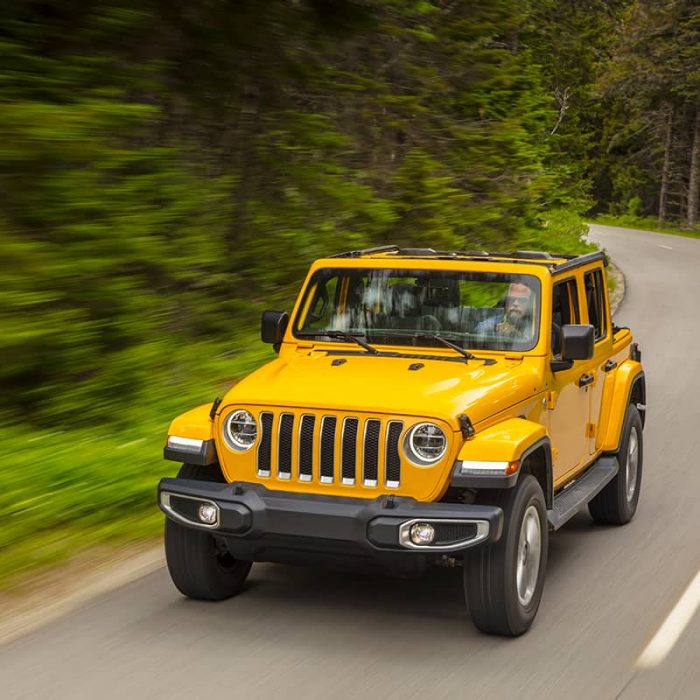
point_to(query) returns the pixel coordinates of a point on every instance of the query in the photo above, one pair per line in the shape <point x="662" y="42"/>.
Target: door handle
<point x="585" y="379"/>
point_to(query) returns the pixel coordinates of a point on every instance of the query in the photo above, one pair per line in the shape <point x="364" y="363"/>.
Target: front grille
<point x="265" y="446"/>
<point x="306" y="448"/>
<point x="285" y="446"/>
<point x="393" y="459"/>
<point x="371" y="452"/>
<point x="329" y="448"/>
<point x="349" y="450"/>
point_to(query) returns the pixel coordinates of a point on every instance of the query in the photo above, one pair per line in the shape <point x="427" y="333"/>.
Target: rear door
<point x="597" y="312"/>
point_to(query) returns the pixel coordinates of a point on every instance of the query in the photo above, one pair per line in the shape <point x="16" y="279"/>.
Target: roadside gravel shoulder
<point x="46" y="597"/>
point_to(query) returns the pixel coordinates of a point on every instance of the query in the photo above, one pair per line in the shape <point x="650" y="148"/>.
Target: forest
<point x="169" y="169"/>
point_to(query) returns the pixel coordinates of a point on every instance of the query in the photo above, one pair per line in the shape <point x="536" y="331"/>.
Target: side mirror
<point x="576" y="344"/>
<point x="273" y="326"/>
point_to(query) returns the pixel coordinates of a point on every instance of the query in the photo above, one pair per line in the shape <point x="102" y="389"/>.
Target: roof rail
<point x="530" y="255"/>
<point x="367" y="251"/>
<point x="571" y="261"/>
<point x="579" y="260"/>
<point x="418" y="251"/>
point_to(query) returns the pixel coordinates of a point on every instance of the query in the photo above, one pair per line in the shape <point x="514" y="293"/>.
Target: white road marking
<point x="665" y="247"/>
<point x="674" y="625"/>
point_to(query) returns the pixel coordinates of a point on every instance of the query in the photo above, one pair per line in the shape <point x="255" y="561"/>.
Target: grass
<point x="645" y="223"/>
<point x="62" y="492"/>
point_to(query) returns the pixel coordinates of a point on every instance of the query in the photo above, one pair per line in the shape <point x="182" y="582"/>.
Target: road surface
<point x="301" y="633"/>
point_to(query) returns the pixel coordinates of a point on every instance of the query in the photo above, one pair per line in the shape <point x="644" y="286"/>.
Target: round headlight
<point x="425" y="444"/>
<point x="240" y="431"/>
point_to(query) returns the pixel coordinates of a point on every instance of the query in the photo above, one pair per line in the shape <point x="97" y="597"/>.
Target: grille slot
<point x="265" y="446"/>
<point x="306" y="447"/>
<point x="328" y="425"/>
<point x="393" y="458"/>
<point x="349" y="450"/>
<point x="284" y="446"/>
<point x="371" y="452"/>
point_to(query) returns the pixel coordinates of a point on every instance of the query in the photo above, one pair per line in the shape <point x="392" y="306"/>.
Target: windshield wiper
<point x="434" y="336"/>
<point x="341" y="335"/>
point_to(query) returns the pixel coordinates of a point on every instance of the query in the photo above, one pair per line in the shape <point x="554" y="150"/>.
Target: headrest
<point x="404" y="299"/>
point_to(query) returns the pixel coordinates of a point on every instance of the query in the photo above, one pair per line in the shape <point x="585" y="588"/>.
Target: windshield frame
<point x="508" y="273"/>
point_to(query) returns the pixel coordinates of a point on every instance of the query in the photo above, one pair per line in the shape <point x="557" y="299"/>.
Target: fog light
<point x="208" y="513"/>
<point x="422" y="533"/>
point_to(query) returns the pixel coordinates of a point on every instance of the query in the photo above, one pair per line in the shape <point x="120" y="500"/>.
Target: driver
<point x="515" y="322"/>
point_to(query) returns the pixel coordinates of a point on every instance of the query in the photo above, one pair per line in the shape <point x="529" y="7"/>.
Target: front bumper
<point x="263" y="525"/>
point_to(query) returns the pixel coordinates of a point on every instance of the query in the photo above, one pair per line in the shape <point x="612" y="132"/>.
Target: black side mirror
<point x="273" y="327"/>
<point x="576" y="344"/>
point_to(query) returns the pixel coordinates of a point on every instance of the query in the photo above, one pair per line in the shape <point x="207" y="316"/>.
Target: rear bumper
<point x="264" y="525"/>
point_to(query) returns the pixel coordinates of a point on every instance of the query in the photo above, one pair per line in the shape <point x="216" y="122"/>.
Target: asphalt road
<point x="301" y="633"/>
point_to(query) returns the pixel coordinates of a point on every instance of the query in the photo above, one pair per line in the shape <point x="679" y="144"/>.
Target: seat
<point x="405" y="306"/>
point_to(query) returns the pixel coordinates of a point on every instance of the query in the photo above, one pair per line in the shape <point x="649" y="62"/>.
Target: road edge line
<point x="672" y="628"/>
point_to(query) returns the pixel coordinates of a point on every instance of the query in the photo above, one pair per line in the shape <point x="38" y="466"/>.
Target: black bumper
<point x="263" y="525"/>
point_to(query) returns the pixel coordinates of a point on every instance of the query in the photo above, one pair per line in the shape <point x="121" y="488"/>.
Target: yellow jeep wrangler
<point x="426" y="407"/>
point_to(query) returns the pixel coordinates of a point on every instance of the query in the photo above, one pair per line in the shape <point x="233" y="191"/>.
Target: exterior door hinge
<point x="590" y="430"/>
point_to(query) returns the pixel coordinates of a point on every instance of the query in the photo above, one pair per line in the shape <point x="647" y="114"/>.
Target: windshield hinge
<point x="215" y="407"/>
<point x="466" y="426"/>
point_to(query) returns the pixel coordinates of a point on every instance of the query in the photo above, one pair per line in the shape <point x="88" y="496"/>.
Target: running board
<point x="569" y="501"/>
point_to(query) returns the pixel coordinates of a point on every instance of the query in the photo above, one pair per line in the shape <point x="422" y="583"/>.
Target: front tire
<point x="503" y="581"/>
<point x="199" y="563"/>
<point x="617" y="503"/>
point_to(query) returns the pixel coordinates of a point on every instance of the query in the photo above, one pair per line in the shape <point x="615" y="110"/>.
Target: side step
<point x="569" y="501"/>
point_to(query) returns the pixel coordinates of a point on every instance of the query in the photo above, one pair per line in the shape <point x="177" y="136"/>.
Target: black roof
<point x="555" y="262"/>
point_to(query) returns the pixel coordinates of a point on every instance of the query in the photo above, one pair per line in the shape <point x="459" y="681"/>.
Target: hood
<point x="379" y="384"/>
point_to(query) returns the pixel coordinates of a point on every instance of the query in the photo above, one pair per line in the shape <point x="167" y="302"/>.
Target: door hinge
<point x="590" y="430"/>
<point x="551" y="400"/>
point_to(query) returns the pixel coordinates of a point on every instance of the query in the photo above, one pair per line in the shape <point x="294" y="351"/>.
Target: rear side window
<point x="595" y="300"/>
<point x="565" y="310"/>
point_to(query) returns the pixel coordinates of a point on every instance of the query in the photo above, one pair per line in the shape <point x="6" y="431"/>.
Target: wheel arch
<point x="196" y="426"/>
<point x="537" y="460"/>
<point x="629" y="387"/>
<point x="513" y="440"/>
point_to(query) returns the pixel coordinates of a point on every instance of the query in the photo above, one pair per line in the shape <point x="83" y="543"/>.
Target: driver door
<point x="568" y="402"/>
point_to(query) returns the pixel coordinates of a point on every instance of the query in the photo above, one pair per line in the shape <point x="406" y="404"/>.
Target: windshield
<point x="404" y="307"/>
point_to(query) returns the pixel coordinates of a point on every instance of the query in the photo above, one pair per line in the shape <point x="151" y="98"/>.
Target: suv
<point x="426" y="407"/>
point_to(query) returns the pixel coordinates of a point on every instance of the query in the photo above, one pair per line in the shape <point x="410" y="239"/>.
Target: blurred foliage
<point x="169" y="169"/>
<point x="650" y="138"/>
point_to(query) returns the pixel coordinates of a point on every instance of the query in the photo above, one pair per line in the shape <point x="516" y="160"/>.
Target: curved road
<point x="300" y="633"/>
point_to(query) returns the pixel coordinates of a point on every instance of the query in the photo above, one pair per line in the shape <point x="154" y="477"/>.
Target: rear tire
<point x="617" y="503"/>
<point x="503" y="581"/>
<point x="199" y="563"/>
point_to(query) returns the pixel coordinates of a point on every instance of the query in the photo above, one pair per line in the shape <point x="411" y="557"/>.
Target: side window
<point x="595" y="301"/>
<point x="565" y="310"/>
